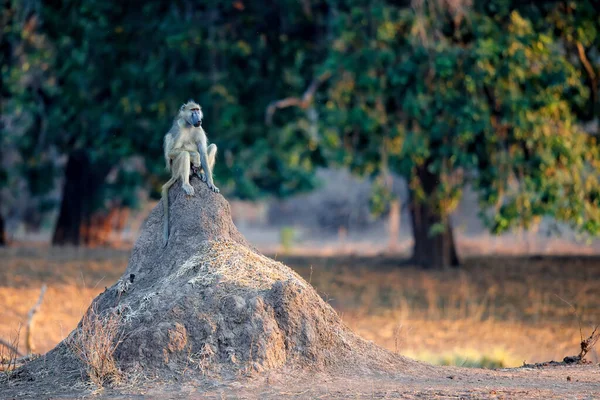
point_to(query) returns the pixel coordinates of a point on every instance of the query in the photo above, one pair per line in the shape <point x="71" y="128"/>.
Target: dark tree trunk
<point x="75" y="200"/>
<point x="2" y="232"/>
<point x="431" y="249"/>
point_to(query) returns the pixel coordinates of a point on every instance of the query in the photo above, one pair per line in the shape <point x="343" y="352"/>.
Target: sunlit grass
<point x="470" y="358"/>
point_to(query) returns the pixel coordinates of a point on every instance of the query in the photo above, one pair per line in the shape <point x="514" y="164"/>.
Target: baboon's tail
<point x="165" y="200"/>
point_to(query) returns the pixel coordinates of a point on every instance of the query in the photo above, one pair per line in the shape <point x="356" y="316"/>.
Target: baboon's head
<point x="191" y="113"/>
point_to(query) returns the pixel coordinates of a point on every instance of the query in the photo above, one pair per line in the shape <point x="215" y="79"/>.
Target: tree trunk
<point x="2" y="232"/>
<point x="431" y="249"/>
<point x="74" y="204"/>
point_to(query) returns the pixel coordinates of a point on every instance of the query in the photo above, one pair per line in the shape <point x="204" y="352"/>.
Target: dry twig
<point x="586" y="344"/>
<point x="29" y="346"/>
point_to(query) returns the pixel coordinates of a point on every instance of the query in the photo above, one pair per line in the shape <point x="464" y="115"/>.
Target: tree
<point x="234" y="59"/>
<point x="579" y="29"/>
<point x="26" y="158"/>
<point x="446" y="95"/>
<point x="121" y="71"/>
<point x="442" y="93"/>
<point x="91" y="121"/>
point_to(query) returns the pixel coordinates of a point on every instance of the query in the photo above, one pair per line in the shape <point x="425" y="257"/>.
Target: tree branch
<point x="302" y="102"/>
<point x="585" y="61"/>
<point x="591" y="73"/>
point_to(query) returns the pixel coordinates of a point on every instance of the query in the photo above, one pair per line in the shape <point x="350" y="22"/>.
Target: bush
<point x="94" y="344"/>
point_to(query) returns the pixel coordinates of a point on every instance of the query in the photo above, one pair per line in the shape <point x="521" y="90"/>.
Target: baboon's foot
<point x="212" y="187"/>
<point x="202" y="176"/>
<point x="188" y="189"/>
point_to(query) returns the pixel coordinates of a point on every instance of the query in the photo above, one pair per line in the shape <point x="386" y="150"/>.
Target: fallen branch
<point x="28" y="335"/>
<point x="302" y="102"/>
<point x="585" y="344"/>
<point x="589" y="343"/>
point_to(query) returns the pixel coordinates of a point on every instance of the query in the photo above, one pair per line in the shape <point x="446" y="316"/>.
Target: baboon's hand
<point x="202" y="176"/>
<point x="195" y="158"/>
<point x="212" y="187"/>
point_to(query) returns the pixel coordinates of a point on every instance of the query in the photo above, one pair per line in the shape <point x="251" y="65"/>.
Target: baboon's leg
<point x="195" y="158"/>
<point x="181" y="170"/>
<point x="211" y="150"/>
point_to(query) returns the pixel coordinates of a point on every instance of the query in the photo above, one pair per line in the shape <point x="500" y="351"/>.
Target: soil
<point x="558" y="382"/>
<point x="208" y="316"/>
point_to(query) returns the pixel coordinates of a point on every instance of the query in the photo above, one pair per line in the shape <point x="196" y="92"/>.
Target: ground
<point x="457" y="383"/>
<point x="565" y="382"/>
<point x="495" y="312"/>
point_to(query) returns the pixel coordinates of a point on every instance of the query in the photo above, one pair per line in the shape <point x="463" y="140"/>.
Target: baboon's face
<point x="192" y="114"/>
<point x="195" y="117"/>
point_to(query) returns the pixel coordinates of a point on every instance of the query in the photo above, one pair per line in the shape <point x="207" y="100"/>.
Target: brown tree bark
<point x="435" y="251"/>
<point x="431" y="250"/>
<point x="2" y="232"/>
<point x="73" y="207"/>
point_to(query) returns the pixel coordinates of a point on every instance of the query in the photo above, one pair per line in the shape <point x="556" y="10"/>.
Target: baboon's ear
<point x="182" y="107"/>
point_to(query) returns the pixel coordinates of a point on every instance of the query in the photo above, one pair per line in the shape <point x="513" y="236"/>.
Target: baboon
<point x="186" y="144"/>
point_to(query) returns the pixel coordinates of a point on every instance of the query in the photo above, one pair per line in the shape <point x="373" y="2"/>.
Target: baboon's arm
<point x="174" y="153"/>
<point x="168" y="147"/>
<point x="205" y="164"/>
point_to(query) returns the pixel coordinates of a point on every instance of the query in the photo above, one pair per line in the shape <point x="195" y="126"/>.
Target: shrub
<point x="94" y="344"/>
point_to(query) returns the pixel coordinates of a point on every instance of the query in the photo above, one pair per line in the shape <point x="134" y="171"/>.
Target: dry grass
<point x="73" y="276"/>
<point x="95" y="343"/>
<point x="9" y="354"/>
<point x="510" y="309"/>
<point x="509" y="305"/>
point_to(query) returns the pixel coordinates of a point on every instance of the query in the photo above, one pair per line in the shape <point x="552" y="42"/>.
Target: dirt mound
<point x="209" y="301"/>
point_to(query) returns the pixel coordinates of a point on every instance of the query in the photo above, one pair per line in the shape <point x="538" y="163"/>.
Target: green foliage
<point x="381" y="197"/>
<point x="576" y="23"/>
<point x="449" y="96"/>
<point x="109" y="78"/>
<point x="469" y="358"/>
<point x="442" y="93"/>
<point x="26" y="155"/>
<point x="234" y="62"/>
